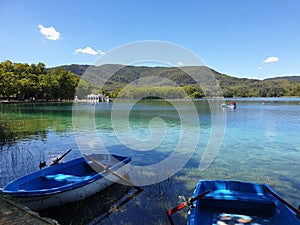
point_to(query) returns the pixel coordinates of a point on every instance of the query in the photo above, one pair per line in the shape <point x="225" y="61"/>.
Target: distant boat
<point x="232" y="202"/>
<point x="67" y="182"/>
<point x="231" y="105"/>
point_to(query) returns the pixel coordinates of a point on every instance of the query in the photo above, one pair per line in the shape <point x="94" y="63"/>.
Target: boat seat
<point x="230" y="198"/>
<point x="67" y="178"/>
<point x="241" y="196"/>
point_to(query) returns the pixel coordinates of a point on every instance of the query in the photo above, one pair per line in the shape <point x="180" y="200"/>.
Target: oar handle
<point x="184" y="204"/>
<point x="297" y="211"/>
<point x="177" y="208"/>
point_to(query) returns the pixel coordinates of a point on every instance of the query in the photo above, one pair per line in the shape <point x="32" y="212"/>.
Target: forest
<point x="21" y="81"/>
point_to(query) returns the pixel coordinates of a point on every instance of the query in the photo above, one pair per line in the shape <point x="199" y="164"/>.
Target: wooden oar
<point x="297" y="211"/>
<point x="184" y="204"/>
<point x="56" y="161"/>
<point x="106" y="168"/>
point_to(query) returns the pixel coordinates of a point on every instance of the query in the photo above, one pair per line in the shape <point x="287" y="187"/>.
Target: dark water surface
<point x="261" y="144"/>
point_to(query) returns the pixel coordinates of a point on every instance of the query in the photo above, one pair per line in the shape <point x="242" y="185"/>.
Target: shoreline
<point x="30" y="101"/>
<point x="282" y="98"/>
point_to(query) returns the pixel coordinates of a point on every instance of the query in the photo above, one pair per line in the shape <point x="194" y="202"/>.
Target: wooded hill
<point x="142" y="80"/>
<point x="23" y="81"/>
<point x="293" y="78"/>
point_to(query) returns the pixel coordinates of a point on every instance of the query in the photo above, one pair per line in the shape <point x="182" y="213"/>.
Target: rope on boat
<point x="188" y="202"/>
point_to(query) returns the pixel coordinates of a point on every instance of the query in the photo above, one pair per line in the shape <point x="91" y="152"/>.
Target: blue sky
<point x="242" y="38"/>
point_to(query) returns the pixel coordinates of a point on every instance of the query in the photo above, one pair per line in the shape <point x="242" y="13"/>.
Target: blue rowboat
<point x="67" y="182"/>
<point x="232" y="202"/>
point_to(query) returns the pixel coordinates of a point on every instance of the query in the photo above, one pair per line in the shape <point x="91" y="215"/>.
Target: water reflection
<point x="91" y="210"/>
<point x="228" y="218"/>
<point x="35" y="121"/>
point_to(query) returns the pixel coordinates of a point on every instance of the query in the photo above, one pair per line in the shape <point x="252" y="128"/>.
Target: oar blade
<point x="106" y="168"/>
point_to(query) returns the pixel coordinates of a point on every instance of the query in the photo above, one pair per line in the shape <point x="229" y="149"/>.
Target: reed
<point x="7" y="135"/>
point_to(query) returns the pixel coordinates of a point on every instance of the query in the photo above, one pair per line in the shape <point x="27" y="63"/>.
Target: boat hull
<point x="233" y="202"/>
<point x="228" y="106"/>
<point x="72" y="191"/>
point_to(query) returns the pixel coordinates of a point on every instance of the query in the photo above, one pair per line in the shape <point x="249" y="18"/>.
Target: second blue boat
<point x="232" y="202"/>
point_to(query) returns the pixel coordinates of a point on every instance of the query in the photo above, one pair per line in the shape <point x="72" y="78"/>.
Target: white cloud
<point x="271" y="59"/>
<point x="260" y="68"/>
<point x="49" y="33"/>
<point x="101" y="52"/>
<point x="89" y="50"/>
<point x="180" y="64"/>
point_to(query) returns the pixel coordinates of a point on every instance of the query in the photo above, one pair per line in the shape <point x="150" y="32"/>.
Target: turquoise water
<point x="260" y="144"/>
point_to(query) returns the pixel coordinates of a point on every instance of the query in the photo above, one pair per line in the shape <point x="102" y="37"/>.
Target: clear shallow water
<point x="261" y="144"/>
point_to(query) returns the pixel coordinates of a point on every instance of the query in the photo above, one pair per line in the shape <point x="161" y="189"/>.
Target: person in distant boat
<point x="232" y="103"/>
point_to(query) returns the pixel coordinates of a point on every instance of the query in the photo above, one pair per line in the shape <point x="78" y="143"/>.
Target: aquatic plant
<point x="6" y="132"/>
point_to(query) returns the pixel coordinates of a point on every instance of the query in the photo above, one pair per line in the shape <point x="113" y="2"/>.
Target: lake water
<point x="255" y="142"/>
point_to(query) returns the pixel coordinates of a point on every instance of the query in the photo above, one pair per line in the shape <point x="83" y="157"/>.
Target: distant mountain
<point x="115" y="77"/>
<point x="292" y="78"/>
<point x="118" y="74"/>
<point x="74" y="68"/>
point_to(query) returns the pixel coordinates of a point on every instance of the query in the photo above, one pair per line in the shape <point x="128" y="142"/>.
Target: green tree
<point x="67" y="82"/>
